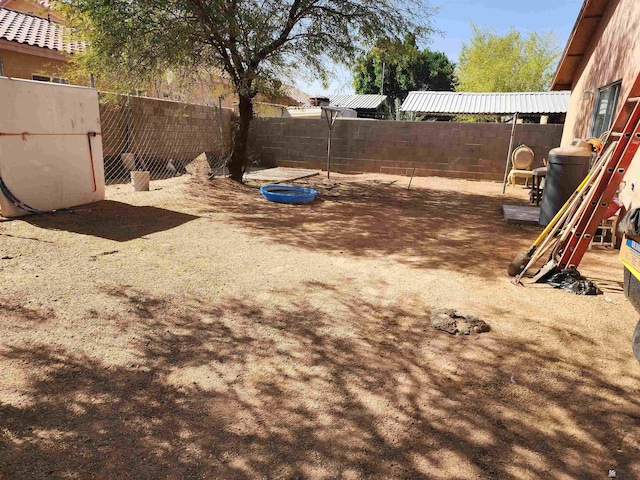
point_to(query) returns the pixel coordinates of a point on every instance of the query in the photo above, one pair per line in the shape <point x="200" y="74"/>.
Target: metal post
<point x="331" y="114"/>
<point x="223" y="144"/>
<point x="506" y="168"/>
<point x="221" y="118"/>
<point x="329" y="152"/>
<point x="127" y="125"/>
<point x="411" y="179"/>
<point x="92" y="81"/>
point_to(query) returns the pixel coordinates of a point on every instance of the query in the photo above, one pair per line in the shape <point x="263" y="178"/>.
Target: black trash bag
<point x="630" y="223"/>
<point x="572" y="281"/>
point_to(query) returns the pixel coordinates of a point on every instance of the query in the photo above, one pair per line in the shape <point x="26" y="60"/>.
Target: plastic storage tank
<point x="566" y="168"/>
<point x="50" y="147"/>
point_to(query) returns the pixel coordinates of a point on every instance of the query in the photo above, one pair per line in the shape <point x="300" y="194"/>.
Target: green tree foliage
<point x="254" y="43"/>
<point x="406" y="68"/>
<point x="509" y="63"/>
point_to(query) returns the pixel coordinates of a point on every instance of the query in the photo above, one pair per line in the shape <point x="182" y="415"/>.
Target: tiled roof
<point x="454" y="103"/>
<point x="36" y="31"/>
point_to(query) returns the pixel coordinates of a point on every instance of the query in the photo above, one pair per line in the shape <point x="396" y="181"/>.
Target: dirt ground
<point x="198" y="331"/>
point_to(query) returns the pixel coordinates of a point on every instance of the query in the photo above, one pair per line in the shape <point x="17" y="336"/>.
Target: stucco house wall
<point x="23" y="61"/>
<point x="613" y="54"/>
<point x="31" y="40"/>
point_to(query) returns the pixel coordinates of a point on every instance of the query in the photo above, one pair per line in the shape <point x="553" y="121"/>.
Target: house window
<point x="1" y="74"/>
<point x="44" y="78"/>
<point x="605" y="109"/>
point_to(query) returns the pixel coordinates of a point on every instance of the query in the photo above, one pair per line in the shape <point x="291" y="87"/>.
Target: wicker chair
<point x="521" y="161"/>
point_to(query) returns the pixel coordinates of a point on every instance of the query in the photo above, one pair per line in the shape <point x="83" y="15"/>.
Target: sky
<point x="454" y="18"/>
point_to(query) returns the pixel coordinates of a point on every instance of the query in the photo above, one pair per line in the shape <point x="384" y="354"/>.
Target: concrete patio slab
<point x="521" y="215"/>
<point x="280" y="174"/>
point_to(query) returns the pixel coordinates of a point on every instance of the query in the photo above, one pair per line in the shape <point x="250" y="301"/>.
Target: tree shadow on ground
<point x="241" y="390"/>
<point x="111" y="220"/>
<point x="13" y="308"/>
<point x="423" y="228"/>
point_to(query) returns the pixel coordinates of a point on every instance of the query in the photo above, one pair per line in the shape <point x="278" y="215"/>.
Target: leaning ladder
<point x="626" y="131"/>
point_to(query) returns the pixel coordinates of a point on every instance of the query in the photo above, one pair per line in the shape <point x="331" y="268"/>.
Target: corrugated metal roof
<point x="356" y="101"/>
<point x="304" y="112"/>
<point x="36" y="31"/>
<point x="460" y="103"/>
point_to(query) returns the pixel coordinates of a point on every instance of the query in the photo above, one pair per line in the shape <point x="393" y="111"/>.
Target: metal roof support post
<point x="331" y="113"/>
<point x="506" y="167"/>
<point x="329" y="146"/>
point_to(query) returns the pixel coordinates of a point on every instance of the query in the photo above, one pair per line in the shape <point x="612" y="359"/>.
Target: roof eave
<point x="35" y="50"/>
<point x="588" y="21"/>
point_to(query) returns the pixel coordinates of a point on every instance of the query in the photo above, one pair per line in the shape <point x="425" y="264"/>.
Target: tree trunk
<point x="238" y="160"/>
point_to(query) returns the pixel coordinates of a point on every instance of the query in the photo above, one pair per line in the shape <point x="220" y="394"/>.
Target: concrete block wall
<point x="462" y="150"/>
<point x="160" y="130"/>
<point x="113" y="118"/>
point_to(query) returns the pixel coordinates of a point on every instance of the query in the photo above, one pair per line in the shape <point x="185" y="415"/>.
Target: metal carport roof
<point x="356" y="101"/>
<point x="469" y="103"/>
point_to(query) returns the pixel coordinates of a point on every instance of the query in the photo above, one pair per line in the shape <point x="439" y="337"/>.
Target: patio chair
<point x="521" y="161"/>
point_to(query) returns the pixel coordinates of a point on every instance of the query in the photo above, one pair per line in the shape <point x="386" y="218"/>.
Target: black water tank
<point x="566" y="168"/>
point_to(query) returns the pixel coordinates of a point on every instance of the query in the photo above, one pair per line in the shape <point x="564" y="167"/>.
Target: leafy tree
<point x="509" y="63"/>
<point x="253" y="42"/>
<point x="406" y="68"/>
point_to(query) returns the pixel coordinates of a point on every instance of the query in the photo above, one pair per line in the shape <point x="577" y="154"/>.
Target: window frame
<point x="49" y="79"/>
<point x="611" y="113"/>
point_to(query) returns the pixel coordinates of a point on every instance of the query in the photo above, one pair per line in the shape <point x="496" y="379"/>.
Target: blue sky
<point x="454" y="21"/>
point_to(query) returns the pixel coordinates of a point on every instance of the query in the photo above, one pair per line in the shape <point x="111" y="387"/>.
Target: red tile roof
<point x="36" y="31"/>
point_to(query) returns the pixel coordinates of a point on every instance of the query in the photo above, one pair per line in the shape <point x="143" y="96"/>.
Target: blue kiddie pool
<point x="288" y="194"/>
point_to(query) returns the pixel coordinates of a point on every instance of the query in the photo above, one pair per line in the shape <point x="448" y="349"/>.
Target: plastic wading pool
<point x="288" y="194"/>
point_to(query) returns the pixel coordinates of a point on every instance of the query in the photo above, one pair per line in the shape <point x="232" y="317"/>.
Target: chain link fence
<point x="152" y="140"/>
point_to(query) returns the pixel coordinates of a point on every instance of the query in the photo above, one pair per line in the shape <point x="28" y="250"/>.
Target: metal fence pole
<point x="506" y="168"/>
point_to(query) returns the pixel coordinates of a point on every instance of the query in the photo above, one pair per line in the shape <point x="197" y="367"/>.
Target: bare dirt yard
<point x="198" y="331"/>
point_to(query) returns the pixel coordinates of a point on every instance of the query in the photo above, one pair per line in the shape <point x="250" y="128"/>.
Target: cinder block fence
<point x="155" y="131"/>
<point x="462" y="150"/>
